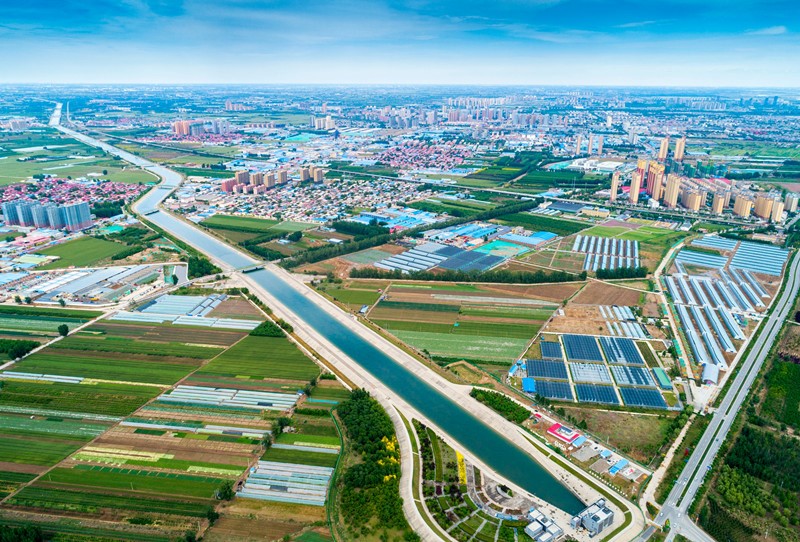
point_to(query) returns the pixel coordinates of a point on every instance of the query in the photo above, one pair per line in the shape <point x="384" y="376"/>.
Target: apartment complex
<point x="73" y="216"/>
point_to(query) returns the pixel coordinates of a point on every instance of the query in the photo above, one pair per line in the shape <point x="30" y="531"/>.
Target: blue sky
<point x="572" y="42"/>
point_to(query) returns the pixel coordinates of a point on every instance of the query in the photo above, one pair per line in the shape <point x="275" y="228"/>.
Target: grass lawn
<point x="83" y="252"/>
<point x="250" y="223"/>
<point x="263" y="358"/>
<point x="452" y="345"/>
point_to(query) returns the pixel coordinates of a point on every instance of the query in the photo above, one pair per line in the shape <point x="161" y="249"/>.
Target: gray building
<point x="595" y="518"/>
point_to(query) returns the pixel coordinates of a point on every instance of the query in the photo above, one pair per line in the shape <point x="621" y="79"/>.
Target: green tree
<point x="225" y="491"/>
<point x="63" y="330"/>
<point x="62" y="302"/>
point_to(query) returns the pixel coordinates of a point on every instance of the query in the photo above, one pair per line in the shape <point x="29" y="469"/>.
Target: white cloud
<point x="769" y="31"/>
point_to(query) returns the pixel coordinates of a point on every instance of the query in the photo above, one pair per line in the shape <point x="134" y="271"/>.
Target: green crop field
<point x="56" y="312"/>
<point x="464" y="328"/>
<point x="51" y="428"/>
<point x="263" y="358"/>
<point x="47" y="325"/>
<point x="543" y="223"/>
<point x="35" y="451"/>
<point x="411" y="306"/>
<point x="353" y="297"/>
<point x="251" y="223"/>
<point x="129" y="346"/>
<point x="93" y="503"/>
<point x="453" y="345"/>
<point x="106" y="366"/>
<point x="291" y="226"/>
<point x="300" y="457"/>
<point x="135" y="480"/>
<point x="83" y="252"/>
<point x="520" y="313"/>
<point x="99" y="398"/>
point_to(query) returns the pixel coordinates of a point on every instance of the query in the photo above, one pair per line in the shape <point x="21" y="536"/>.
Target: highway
<point x="699" y="463"/>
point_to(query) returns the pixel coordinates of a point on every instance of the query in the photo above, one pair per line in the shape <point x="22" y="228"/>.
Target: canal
<point x="480" y="440"/>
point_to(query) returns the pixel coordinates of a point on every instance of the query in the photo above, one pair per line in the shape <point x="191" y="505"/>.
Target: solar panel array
<point x="547" y="369"/>
<point x="589" y="372"/>
<point x="619" y="350"/>
<point x="554" y="390"/>
<point x="582" y="348"/>
<point x="590" y="393"/>
<point x="632" y="376"/>
<point x="647" y="398"/>
<point x="606" y="252"/>
<point x="551" y="350"/>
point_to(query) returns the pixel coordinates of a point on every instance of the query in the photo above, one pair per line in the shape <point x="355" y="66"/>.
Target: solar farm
<point x="600" y="370"/>
<point x="125" y="420"/>
<point x="606" y="252"/>
<point x="714" y="307"/>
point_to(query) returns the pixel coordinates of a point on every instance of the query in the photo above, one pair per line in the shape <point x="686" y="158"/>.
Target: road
<point x="277" y="286"/>
<point x="699" y="463"/>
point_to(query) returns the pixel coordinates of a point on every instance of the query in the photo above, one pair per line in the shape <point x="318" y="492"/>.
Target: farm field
<point x="113" y="448"/>
<point x="480" y="323"/>
<point x="530" y="221"/>
<point x="49" y="151"/>
<point x="262" y="358"/>
<point x="82" y="252"/>
<point x="23" y="322"/>
<point x="249" y="223"/>
<point x="98" y="353"/>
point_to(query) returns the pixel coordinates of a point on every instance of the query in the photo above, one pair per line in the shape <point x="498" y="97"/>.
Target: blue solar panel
<point x="547" y="369"/>
<point x="620" y="350"/>
<point x="554" y="390"/>
<point x="551" y="350"/>
<point x="582" y="347"/>
<point x="646" y="398"/>
<point x="592" y="393"/>
<point x="632" y="376"/>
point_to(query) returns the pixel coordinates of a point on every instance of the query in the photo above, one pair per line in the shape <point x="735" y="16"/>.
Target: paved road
<point x="699" y="463"/>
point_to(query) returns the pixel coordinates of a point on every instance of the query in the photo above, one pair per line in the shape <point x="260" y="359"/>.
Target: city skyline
<point x="571" y="42"/>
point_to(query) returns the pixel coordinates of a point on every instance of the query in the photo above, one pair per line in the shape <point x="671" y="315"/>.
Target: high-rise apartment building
<point x="257" y="179"/>
<point x="614" y="186"/>
<point x="599" y="144"/>
<point x="777" y="211"/>
<point x="77" y="216"/>
<point x="680" y="149"/>
<point x="636" y="186"/>
<point x="672" y="191"/>
<point x="305" y="174"/>
<point x="243" y="177"/>
<point x="663" y="149"/>
<point x="578" y="140"/>
<point x="790" y="203"/>
<point x="718" y="204"/>
<point x="283" y="177"/>
<point x="589" y="143"/>
<point x="73" y="216"/>
<point x="763" y="206"/>
<point x="270" y="180"/>
<point x="692" y="199"/>
<point x="655" y="180"/>
<point x="742" y="206"/>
